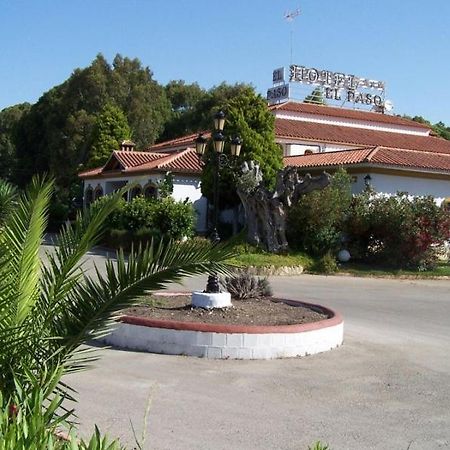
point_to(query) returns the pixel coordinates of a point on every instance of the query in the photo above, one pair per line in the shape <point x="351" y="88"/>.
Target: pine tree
<point x="110" y="129"/>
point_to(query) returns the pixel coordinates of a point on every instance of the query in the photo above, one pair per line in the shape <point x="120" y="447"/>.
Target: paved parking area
<point x="387" y="387"/>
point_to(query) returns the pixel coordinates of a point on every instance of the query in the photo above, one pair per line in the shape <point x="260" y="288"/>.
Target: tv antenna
<point x="290" y="16"/>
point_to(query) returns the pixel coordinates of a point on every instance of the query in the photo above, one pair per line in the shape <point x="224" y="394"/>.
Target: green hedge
<point x="142" y="219"/>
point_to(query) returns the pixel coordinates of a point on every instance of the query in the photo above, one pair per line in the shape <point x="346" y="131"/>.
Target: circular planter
<point x="210" y="300"/>
<point x="219" y="341"/>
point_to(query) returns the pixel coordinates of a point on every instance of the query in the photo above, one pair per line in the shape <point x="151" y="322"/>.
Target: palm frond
<point x="64" y="270"/>
<point x="22" y="235"/>
<point x="96" y="304"/>
<point x="8" y="195"/>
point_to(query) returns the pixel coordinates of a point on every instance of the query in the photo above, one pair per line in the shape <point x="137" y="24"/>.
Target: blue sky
<point x="404" y="43"/>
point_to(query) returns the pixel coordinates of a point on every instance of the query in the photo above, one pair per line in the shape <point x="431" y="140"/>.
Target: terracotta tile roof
<point x="124" y="162"/>
<point x="408" y="158"/>
<point x="186" y="141"/>
<point x="90" y="173"/>
<point x="186" y="161"/>
<point x="357" y="136"/>
<point x="344" y="113"/>
<point x="133" y="159"/>
<point x="337" y="158"/>
<point x="374" y="156"/>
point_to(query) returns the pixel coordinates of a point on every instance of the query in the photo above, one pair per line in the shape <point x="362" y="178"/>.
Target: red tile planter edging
<point x="334" y="319"/>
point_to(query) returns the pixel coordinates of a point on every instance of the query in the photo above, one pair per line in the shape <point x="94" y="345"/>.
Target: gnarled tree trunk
<point x="266" y="211"/>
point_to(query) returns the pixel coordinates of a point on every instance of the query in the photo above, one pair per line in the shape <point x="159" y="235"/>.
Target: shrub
<point x="244" y="285"/>
<point x="398" y="231"/>
<point x="145" y="235"/>
<point x="146" y="218"/>
<point x="173" y="219"/>
<point x="326" y="264"/>
<point x="315" y="222"/>
<point x="136" y="214"/>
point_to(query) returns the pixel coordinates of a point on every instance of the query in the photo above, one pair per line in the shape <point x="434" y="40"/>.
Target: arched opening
<point x="150" y="191"/>
<point x="135" y="192"/>
<point x="88" y="196"/>
<point x="98" y="192"/>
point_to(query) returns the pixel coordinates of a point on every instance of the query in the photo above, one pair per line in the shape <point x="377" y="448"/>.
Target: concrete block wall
<point x="210" y="344"/>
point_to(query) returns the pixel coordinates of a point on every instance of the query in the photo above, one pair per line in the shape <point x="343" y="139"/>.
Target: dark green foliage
<point x="173" y="219"/>
<point x="9" y="118"/>
<point x="56" y="134"/>
<point x="110" y="129"/>
<point x="184" y="100"/>
<point x="126" y="239"/>
<point x="243" y="285"/>
<point x="442" y="130"/>
<point x="397" y="231"/>
<point x="164" y="217"/>
<point x="193" y="107"/>
<point x="316" y="221"/>
<point x="8" y="197"/>
<point x="247" y="116"/>
<point x="439" y="128"/>
<point x="326" y="264"/>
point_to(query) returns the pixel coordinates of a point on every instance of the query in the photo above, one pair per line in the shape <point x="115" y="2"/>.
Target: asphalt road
<point x="387" y="387"/>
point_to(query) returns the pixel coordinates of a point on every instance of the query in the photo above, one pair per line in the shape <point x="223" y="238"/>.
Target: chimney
<point x="127" y="145"/>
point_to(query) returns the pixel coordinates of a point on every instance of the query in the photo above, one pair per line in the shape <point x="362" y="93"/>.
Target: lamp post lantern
<point x="219" y="160"/>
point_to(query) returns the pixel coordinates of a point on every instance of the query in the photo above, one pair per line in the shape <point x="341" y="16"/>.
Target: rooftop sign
<point x="340" y="86"/>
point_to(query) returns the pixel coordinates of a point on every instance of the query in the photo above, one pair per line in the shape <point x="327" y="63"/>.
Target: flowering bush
<point x="400" y="230"/>
<point x="316" y="221"/>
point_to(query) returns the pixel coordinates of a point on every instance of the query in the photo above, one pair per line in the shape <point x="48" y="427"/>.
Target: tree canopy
<point x="9" y="118"/>
<point x="247" y="116"/>
<point x="56" y="134"/>
<point x="110" y="129"/>
<point x="192" y="106"/>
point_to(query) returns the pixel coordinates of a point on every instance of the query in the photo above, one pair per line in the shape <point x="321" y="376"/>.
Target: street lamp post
<point x="219" y="160"/>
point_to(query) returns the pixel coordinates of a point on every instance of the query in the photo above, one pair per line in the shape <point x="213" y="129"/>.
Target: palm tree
<point x="47" y="311"/>
<point x="8" y="196"/>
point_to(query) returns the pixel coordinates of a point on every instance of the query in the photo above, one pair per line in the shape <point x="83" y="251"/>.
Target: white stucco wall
<point x="185" y="187"/>
<point x="391" y="184"/>
<point x="298" y="147"/>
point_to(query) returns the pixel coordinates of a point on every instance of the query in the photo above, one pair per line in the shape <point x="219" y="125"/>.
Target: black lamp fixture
<point x="219" y="160"/>
<point x="367" y="180"/>
<point x="200" y="144"/>
<point x="219" y="121"/>
<point x="236" y="145"/>
<point x="218" y="141"/>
